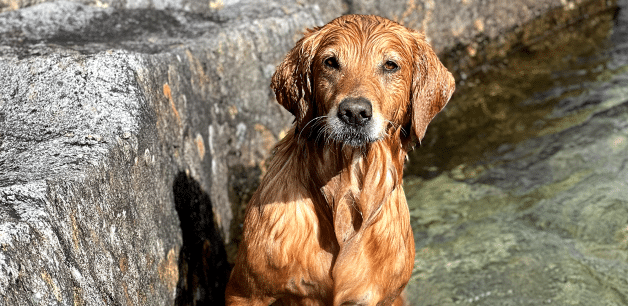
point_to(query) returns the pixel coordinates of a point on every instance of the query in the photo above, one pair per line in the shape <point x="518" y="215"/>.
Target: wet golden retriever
<point x="329" y="224"/>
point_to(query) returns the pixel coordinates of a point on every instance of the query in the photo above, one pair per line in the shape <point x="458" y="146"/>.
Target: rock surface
<point x="537" y="214"/>
<point x="448" y="23"/>
<point x="122" y="135"/>
<point x="131" y="133"/>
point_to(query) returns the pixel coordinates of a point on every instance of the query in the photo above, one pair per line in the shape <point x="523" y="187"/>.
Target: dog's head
<point x="358" y="77"/>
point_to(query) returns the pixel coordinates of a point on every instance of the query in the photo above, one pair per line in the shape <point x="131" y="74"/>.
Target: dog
<point x="329" y="223"/>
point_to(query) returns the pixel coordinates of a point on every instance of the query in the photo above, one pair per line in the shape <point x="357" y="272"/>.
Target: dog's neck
<point x="353" y="182"/>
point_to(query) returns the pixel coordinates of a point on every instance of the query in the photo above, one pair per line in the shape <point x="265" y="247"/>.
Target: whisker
<point x="311" y="121"/>
<point x="321" y="133"/>
<point x="395" y="126"/>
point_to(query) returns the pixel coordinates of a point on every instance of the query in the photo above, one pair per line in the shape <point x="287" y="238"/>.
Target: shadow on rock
<point x="203" y="266"/>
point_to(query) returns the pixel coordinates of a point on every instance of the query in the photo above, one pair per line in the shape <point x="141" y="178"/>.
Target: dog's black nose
<point x="355" y="111"/>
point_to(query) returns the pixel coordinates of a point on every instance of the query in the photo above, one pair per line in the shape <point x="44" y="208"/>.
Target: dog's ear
<point x="292" y="79"/>
<point x="432" y="86"/>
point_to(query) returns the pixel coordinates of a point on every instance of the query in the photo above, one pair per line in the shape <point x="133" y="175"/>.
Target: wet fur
<point x="329" y="224"/>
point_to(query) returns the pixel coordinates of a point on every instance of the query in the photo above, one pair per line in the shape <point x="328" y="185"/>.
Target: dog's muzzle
<point x="354" y="123"/>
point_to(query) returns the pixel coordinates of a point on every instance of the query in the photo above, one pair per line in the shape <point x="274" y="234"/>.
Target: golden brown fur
<point x="329" y="224"/>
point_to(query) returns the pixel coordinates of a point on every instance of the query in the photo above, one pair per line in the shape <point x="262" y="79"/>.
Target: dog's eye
<point x="390" y="66"/>
<point x="331" y="62"/>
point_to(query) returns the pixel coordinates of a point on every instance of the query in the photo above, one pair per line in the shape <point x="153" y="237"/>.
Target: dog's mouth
<point x="353" y="123"/>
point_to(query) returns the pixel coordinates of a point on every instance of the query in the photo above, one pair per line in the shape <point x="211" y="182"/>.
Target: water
<point x="519" y="193"/>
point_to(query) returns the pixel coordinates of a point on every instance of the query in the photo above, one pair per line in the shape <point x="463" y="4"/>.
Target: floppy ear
<point x="292" y="79"/>
<point x="432" y="86"/>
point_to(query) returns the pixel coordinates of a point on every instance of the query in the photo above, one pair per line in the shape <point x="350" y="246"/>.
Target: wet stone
<point x="546" y="221"/>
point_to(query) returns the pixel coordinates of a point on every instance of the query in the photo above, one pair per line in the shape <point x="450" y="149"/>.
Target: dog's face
<point x="359" y="77"/>
<point x="361" y="80"/>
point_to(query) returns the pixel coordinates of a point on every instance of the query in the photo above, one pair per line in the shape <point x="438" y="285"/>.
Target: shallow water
<point x="519" y="192"/>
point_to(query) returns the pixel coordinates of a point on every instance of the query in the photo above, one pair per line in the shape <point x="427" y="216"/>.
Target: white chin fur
<point x="341" y="132"/>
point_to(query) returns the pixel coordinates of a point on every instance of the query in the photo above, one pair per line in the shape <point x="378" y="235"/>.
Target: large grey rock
<point x="124" y="136"/>
<point x="82" y="190"/>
